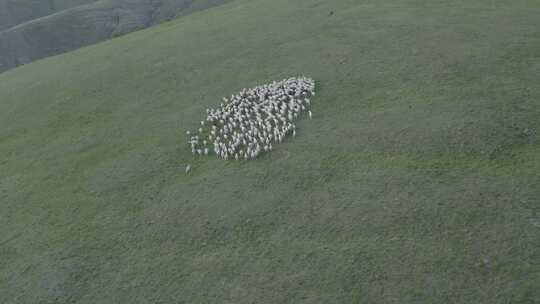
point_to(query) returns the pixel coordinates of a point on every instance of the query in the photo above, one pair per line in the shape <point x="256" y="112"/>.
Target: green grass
<point x="416" y="181"/>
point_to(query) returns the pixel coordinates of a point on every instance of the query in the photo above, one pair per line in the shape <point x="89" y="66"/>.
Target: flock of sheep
<point x="248" y="123"/>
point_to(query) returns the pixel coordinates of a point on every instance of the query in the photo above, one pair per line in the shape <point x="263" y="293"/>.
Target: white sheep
<point x="252" y="119"/>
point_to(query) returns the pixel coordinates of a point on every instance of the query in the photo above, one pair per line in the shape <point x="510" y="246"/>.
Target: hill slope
<point x="416" y="181"/>
<point x="14" y="12"/>
<point x="87" y="24"/>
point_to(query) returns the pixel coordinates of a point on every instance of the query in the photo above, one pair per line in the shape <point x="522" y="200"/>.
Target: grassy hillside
<point x="13" y="12"/>
<point x="416" y="181"/>
<point x="87" y="24"/>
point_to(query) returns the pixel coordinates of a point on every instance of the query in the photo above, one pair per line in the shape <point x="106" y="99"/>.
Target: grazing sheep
<point x="248" y="123"/>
